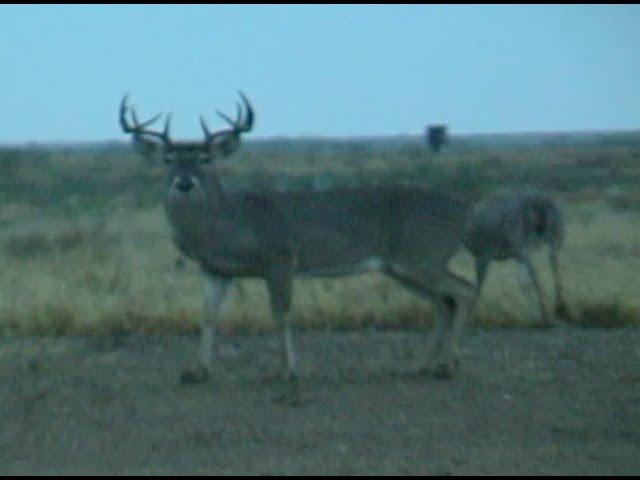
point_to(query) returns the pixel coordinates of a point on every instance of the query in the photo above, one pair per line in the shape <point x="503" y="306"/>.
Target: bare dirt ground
<point x="559" y="401"/>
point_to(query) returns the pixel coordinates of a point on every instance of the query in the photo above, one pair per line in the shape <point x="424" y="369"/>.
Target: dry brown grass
<point x="85" y="248"/>
<point x="112" y="275"/>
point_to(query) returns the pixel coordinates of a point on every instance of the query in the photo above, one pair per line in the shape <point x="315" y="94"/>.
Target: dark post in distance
<point x="436" y="137"/>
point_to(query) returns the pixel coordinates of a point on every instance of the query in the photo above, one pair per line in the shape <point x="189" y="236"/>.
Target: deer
<point x="512" y="226"/>
<point x="407" y="233"/>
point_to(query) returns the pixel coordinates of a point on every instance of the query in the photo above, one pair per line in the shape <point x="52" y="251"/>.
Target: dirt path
<point x="561" y="401"/>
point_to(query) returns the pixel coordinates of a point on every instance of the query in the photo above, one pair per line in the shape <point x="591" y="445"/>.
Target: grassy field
<point x="85" y="247"/>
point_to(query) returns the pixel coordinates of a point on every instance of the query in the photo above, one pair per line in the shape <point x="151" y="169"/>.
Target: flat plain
<point x="98" y="315"/>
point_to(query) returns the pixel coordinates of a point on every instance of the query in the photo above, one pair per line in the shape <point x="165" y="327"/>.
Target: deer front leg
<point x="561" y="309"/>
<point x="214" y="294"/>
<point x="280" y="286"/>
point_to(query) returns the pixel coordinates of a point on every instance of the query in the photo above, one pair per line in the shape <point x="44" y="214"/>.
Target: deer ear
<point x="225" y="145"/>
<point x="149" y="148"/>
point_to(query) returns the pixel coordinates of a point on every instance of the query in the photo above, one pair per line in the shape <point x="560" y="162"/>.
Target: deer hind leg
<point x="280" y="286"/>
<point x="482" y="267"/>
<point x="544" y="318"/>
<point x="453" y="297"/>
<point x="214" y="294"/>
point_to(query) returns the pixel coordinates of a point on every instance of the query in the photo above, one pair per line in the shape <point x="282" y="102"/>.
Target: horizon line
<point x="307" y="137"/>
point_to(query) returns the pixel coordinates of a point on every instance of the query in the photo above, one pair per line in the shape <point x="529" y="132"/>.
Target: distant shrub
<point x="60" y="240"/>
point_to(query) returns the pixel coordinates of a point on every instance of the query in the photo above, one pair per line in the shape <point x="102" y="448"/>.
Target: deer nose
<point x="184" y="184"/>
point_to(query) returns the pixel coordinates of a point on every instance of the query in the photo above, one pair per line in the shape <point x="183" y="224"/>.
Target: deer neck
<point x="197" y="219"/>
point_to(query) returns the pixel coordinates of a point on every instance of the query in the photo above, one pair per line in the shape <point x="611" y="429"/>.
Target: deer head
<point x="186" y="158"/>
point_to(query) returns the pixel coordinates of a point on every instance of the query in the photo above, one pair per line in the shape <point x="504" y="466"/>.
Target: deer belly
<point x="373" y="264"/>
<point x="233" y="267"/>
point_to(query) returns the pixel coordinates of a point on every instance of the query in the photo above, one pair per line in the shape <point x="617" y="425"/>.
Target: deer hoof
<point x="545" y="324"/>
<point x="289" y="393"/>
<point x="443" y="370"/>
<point x="195" y="375"/>
<point x="562" y="311"/>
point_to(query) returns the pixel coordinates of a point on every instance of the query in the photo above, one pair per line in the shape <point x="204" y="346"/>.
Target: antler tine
<point x="148" y="122"/>
<point x="138" y="128"/>
<point x="247" y="123"/>
<point x="226" y="118"/>
<point x="134" y="117"/>
<point x="244" y="120"/>
<point x="205" y="128"/>
<point x="242" y="123"/>
<point x="124" y="124"/>
<point x="209" y="135"/>
<point x="167" y="127"/>
<point x="136" y="122"/>
<point x="240" y="113"/>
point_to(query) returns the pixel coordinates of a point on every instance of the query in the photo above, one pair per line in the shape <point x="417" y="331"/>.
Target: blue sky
<point x="319" y="70"/>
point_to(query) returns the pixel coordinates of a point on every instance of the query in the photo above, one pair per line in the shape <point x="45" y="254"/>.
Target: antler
<point x="242" y="123"/>
<point x="139" y="129"/>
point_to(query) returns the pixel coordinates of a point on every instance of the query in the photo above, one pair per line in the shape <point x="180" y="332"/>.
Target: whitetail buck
<point x="405" y="232"/>
<point x="511" y="227"/>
